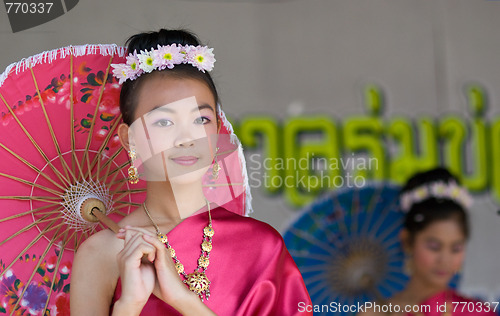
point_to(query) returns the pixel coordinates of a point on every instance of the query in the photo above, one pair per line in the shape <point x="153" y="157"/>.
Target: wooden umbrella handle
<point x="105" y="220"/>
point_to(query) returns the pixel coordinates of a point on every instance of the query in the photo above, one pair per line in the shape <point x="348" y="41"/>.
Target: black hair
<point x="428" y="211"/>
<point x="148" y="41"/>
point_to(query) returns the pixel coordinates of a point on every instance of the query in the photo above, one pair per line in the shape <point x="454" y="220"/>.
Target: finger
<point x="137" y="249"/>
<point x="161" y="250"/>
<point x="124" y="255"/>
<point x="125" y="252"/>
<point x="129" y="234"/>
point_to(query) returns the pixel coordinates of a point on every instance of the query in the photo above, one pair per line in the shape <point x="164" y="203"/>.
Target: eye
<point x="163" y="123"/>
<point x="433" y="246"/>
<point x="457" y="248"/>
<point x="202" y="120"/>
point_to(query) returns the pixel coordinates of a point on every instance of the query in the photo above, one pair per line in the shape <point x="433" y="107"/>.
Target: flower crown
<point x="439" y="190"/>
<point x="166" y="56"/>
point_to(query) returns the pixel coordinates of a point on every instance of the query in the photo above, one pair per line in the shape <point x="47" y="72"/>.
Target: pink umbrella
<point x="60" y="159"/>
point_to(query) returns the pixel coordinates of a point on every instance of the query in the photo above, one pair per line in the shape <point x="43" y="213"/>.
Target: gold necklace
<point x="197" y="280"/>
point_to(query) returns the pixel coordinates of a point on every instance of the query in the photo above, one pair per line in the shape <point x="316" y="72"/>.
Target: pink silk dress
<point x="458" y="305"/>
<point x="251" y="271"/>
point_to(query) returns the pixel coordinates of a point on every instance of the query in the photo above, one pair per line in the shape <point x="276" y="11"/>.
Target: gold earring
<point x="133" y="175"/>
<point x="408" y="265"/>
<point x="216" y="167"/>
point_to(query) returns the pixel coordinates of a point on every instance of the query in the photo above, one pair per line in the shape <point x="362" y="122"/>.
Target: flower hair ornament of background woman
<point x="171" y="121"/>
<point x="434" y="235"/>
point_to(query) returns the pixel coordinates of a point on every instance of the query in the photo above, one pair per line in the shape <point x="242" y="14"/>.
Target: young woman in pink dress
<point x="436" y="229"/>
<point x="178" y="253"/>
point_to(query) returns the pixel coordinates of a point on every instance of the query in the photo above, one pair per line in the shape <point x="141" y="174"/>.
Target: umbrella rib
<point x="310" y="256"/>
<point x="42" y="187"/>
<point x="121" y="180"/>
<point x="394" y="227"/>
<point x="51" y="130"/>
<point x="96" y="159"/>
<point x="78" y="241"/>
<point x="92" y="124"/>
<point x="332" y="236"/>
<point x="371" y="211"/>
<point x="312" y="240"/>
<point x="61" y="177"/>
<point x="315" y="268"/>
<point x="141" y="190"/>
<point x="34" y="241"/>
<point x="33" y="273"/>
<point x="129" y="203"/>
<point x="385" y="210"/>
<point x="107" y="165"/>
<point x="320" y="286"/>
<point x="115" y="170"/>
<point x="42" y="219"/>
<point x="119" y="212"/>
<point x="340" y="223"/>
<point x="29" y="212"/>
<point x="59" y="258"/>
<point x="46" y="199"/>
<point x="72" y="115"/>
<point x="396" y="280"/>
<point x="31" y="166"/>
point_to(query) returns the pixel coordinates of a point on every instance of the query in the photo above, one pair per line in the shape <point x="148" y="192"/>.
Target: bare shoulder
<point x="101" y="245"/>
<point x="94" y="274"/>
<point x="97" y="256"/>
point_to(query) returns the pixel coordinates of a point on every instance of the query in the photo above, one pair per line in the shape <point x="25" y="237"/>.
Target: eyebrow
<point x="168" y="110"/>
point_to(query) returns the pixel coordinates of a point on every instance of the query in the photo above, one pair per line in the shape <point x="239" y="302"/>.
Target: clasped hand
<point x="146" y="267"/>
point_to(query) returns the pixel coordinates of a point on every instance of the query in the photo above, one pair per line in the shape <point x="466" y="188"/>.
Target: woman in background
<point x="434" y="236"/>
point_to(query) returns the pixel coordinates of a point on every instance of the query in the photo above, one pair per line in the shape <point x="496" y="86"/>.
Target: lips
<point x="441" y="273"/>
<point x="185" y="160"/>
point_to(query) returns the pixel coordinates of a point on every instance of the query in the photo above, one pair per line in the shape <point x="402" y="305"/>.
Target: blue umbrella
<point x="347" y="248"/>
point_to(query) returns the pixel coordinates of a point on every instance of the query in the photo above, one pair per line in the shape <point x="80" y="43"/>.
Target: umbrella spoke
<point x="31" y="166"/>
<point x="375" y="197"/>
<point x="77" y="163"/>
<point x="31" y="184"/>
<point x="316" y="268"/>
<point x="46" y="199"/>
<point x="313" y="256"/>
<point x="129" y="203"/>
<point x="120" y="181"/>
<point x="97" y="159"/>
<point x="61" y="177"/>
<point x="65" y="166"/>
<point x="33" y="274"/>
<point x="332" y="238"/>
<point x="30" y="212"/>
<point x="59" y="258"/>
<point x="78" y="241"/>
<point x="34" y="241"/>
<point x="115" y="170"/>
<point x="312" y="240"/>
<point x="92" y="124"/>
<point x="119" y="212"/>
<point x="42" y="219"/>
<point x="72" y="117"/>
<point x="129" y="191"/>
